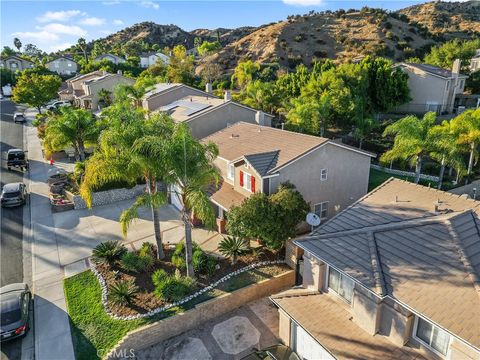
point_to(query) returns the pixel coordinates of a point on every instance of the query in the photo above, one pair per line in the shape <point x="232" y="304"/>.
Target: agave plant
<point x="232" y="247"/>
<point x="108" y="252"/>
<point x="123" y="292"/>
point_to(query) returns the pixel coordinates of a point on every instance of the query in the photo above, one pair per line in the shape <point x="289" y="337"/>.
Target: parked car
<point x="14" y="311"/>
<point x="13" y="194"/>
<point x="276" y="352"/>
<point x="16" y="158"/>
<point x="58" y="104"/>
<point x="19" y="117"/>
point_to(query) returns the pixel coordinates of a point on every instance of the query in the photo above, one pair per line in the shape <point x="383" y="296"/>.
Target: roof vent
<point x="234" y="136"/>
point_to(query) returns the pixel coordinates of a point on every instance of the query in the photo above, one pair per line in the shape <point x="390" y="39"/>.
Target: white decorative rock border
<point x="103" y="286"/>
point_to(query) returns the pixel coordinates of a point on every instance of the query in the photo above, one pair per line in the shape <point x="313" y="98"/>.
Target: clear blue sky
<point x="54" y="25"/>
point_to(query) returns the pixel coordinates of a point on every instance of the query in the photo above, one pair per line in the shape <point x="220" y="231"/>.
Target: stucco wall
<point x="238" y="188"/>
<point x="347" y="177"/>
<point x="175" y="325"/>
<point x="63" y="67"/>
<point x="167" y="97"/>
<point x="108" y="84"/>
<point x="21" y="64"/>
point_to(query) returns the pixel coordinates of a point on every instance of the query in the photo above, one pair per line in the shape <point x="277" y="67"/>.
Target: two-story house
<point x="151" y="58"/>
<point x="110" y="57"/>
<point x="16" y="63"/>
<point x="394" y="276"/>
<point x="475" y="61"/>
<point x="62" y="65"/>
<point x="254" y="158"/>
<point x="83" y="90"/>
<point x="432" y="88"/>
<point x="166" y="93"/>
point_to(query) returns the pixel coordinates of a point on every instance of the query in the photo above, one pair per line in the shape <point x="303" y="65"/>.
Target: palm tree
<point x="363" y="127"/>
<point x="17" y="43"/>
<point x="132" y="148"/>
<point x="72" y="127"/>
<point x="466" y="127"/>
<point x="131" y="93"/>
<point x="411" y="140"/>
<point x="82" y="46"/>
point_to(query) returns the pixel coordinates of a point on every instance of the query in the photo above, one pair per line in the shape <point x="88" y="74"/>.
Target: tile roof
<point x="191" y="106"/>
<point x="435" y="70"/>
<point x="333" y="328"/>
<point x="428" y="260"/>
<point x="263" y="162"/>
<point x="226" y="196"/>
<point x="160" y="88"/>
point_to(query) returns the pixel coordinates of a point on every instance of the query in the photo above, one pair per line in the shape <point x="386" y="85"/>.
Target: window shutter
<point x="241" y="178"/>
<point x="252" y="183"/>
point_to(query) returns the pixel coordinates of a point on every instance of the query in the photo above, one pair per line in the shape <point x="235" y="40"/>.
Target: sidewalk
<point x="52" y="329"/>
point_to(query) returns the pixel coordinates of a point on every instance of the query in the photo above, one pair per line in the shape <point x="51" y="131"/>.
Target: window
<point x="69" y="64"/>
<point x="432" y="336"/>
<point x="462" y="84"/>
<point x="341" y="284"/>
<point x="323" y="175"/>
<point x="321" y="210"/>
<point x="247" y="181"/>
<point x="231" y="171"/>
<point x="447" y="86"/>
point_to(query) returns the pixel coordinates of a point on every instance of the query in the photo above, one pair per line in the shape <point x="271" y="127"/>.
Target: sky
<point x="55" y="25"/>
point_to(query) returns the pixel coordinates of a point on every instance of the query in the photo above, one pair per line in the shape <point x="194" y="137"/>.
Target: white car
<point x="57" y="104"/>
<point x="18" y="117"/>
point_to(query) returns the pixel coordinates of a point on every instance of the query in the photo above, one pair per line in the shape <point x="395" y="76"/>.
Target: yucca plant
<point x="123" y="292"/>
<point x="232" y="247"/>
<point x="108" y="252"/>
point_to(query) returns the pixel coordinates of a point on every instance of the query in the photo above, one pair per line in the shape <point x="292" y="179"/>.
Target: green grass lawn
<point x="95" y="333"/>
<point x="377" y="177"/>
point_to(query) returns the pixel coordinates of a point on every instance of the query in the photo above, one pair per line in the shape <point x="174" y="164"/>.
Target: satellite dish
<point x="313" y="219"/>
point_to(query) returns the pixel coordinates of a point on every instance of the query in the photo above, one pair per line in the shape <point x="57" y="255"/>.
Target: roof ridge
<point x="378" y="275"/>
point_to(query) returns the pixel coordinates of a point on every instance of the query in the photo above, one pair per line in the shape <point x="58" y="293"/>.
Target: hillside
<point x="227" y="36"/>
<point x="451" y="19"/>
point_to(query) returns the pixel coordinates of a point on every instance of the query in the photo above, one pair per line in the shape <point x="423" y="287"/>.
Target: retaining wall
<point x="404" y="173"/>
<point x="164" y="329"/>
<point x="106" y="197"/>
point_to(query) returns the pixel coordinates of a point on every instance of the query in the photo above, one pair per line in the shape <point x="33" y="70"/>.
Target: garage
<point x="175" y="198"/>
<point x="305" y="345"/>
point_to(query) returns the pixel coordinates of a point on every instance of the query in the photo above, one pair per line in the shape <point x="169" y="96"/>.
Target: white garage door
<point x="174" y="198"/>
<point x="306" y="346"/>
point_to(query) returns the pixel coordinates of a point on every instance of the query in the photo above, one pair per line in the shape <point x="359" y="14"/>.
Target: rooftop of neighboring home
<point x="158" y="53"/>
<point x="66" y="57"/>
<point x="163" y="87"/>
<point x="434" y="70"/>
<point x="417" y="245"/>
<point x="265" y="148"/>
<point x="99" y="57"/>
<point x="15" y="57"/>
<point x="191" y="106"/>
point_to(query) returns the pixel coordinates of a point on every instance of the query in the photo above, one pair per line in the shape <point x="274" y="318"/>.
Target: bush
<point x="123" y="292"/>
<point x="173" y="288"/>
<point x="147" y="249"/>
<point x="136" y="263"/>
<point x="388" y="25"/>
<point x="232" y="247"/>
<point x="203" y="263"/>
<point x="108" y="252"/>
<point x="178" y="257"/>
<point x="159" y="276"/>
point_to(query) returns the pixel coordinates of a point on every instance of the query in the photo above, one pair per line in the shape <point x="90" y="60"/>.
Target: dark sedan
<point x="14" y="306"/>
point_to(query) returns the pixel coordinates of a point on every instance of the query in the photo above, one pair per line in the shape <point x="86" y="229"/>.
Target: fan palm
<point x="232" y="247"/>
<point x="411" y="140"/>
<point x="131" y="93"/>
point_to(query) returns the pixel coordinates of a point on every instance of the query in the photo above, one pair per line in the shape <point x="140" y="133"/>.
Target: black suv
<point x="16" y="158"/>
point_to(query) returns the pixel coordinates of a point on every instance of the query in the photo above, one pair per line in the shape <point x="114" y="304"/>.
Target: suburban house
<point x="396" y="275"/>
<point x="16" y="63"/>
<point x="110" y="57"/>
<point x="475" y="62"/>
<point x="254" y="158"/>
<point x="166" y="93"/>
<point x="62" y="65"/>
<point x="432" y="88"/>
<point x="83" y="90"/>
<point x="148" y="59"/>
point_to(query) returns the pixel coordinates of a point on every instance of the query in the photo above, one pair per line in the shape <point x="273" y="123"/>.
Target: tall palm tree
<point x="411" y="140"/>
<point x="131" y="149"/>
<point x="466" y="127"/>
<point x="130" y="93"/>
<point x="82" y="46"/>
<point x="72" y="127"/>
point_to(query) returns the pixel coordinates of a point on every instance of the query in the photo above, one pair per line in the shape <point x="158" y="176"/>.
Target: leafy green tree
<point x="32" y="51"/>
<point x="208" y="47"/>
<point x="260" y="95"/>
<point x="99" y="48"/>
<point x="444" y="55"/>
<point x="244" y="73"/>
<point x="77" y="128"/>
<point x="132" y="48"/>
<point x="211" y="72"/>
<point x="180" y="68"/>
<point x="105" y="97"/>
<point x="411" y="140"/>
<point x="36" y="90"/>
<point x="17" y="43"/>
<point x="8" y="51"/>
<point x="7" y="76"/>
<point x="310" y="115"/>
<point x="362" y="128"/>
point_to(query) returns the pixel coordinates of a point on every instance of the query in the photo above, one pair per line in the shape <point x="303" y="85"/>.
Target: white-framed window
<point x="321" y="209"/>
<point x="323" y="175"/>
<point x="231" y="171"/>
<point x="247" y="181"/>
<point x="69" y="64"/>
<point x="431" y="335"/>
<point x="340" y="284"/>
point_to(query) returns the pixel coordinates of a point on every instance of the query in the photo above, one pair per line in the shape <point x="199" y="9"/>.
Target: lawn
<point x="378" y="177"/>
<point x="94" y="332"/>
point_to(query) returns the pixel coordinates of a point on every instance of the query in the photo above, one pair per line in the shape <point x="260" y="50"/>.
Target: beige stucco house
<point x="62" y="65"/>
<point x="254" y="158"/>
<point x="149" y="59"/>
<point x="432" y="88"/>
<point x="166" y="93"/>
<point x="475" y="62"/>
<point x="83" y="89"/>
<point x="16" y="63"/>
<point x="110" y="57"/>
<point x="394" y="276"/>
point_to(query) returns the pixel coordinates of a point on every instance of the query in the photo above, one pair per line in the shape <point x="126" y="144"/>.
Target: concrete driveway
<point x="228" y="337"/>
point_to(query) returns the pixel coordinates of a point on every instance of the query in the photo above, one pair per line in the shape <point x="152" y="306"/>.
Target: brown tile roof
<point x="334" y="330"/>
<point x="426" y="260"/>
<point x="226" y="196"/>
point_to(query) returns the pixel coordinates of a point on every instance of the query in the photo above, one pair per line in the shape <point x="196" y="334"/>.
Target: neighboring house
<point x="253" y="158"/>
<point x="394" y="276"/>
<point x="149" y="59"/>
<point x="83" y="89"/>
<point x="62" y="65"/>
<point x="16" y="63"/>
<point x="110" y="57"/>
<point x="166" y="93"/>
<point x="432" y="88"/>
<point x="475" y="62"/>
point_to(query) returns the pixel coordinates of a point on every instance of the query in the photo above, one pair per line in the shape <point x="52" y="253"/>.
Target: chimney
<point x="456" y="68"/>
<point x="119" y="72"/>
<point x="260" y="117"/>
<point x="208" y="88"/>
<point x="227" y="96"/>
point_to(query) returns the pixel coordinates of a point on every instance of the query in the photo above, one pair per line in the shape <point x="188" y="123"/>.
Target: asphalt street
<point x="11" y="239"/>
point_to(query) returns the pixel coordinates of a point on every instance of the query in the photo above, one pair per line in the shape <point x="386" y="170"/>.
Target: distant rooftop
<point x="184" y="109"/>
<point x="435" y="70"/>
